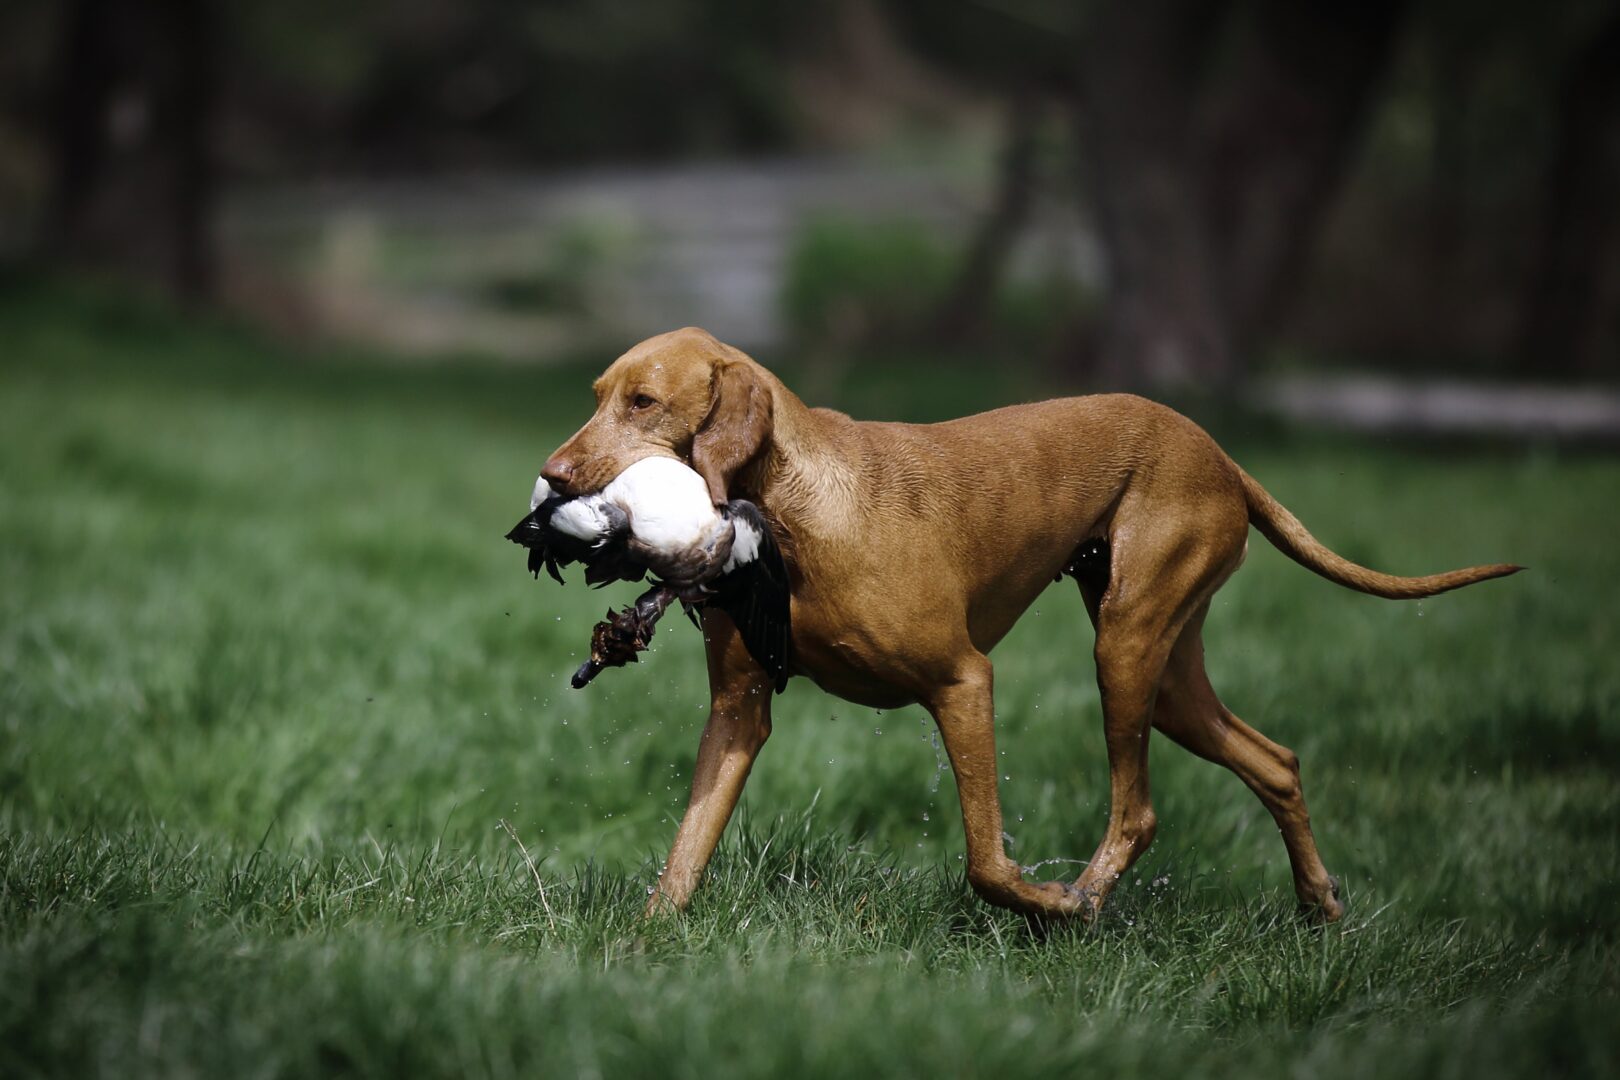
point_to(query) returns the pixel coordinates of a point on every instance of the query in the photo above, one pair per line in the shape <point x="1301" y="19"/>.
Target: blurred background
<point x="1248" y="197"/>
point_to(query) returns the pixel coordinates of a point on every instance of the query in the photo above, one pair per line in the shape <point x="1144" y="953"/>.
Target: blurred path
<point x="1445" y="406"/>
<point x="522" y="265"/>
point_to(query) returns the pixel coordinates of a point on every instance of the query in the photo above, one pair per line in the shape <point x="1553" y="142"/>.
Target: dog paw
<point x="1064" y="900"/>
<point x="1327" y="909"/>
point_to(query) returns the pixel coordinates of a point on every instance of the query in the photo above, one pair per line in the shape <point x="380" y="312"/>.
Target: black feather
<point x="758" y="597"/>
<point x="549" y="548"/>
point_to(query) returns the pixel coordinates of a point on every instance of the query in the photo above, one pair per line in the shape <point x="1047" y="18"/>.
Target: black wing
<point x="551" y="549"/>
<point x="757" y="597"/>
<point x="532" y="533"/>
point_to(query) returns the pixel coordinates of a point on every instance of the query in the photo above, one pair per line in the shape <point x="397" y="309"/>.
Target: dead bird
<point x="656" y="517"/>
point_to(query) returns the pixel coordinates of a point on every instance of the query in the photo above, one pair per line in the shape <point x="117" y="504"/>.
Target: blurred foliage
<point x="996" y="46"/>
<point x="423" y="84"/>
<point x="571" y="259"/>
<point x="863" y="285"/>
<point x="856" y="282"/>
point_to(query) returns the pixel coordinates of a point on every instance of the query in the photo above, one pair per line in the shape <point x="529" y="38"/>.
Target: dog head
<point x="683" y="395"/>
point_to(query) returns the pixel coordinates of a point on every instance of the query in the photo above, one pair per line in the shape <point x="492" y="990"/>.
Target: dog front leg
<point x="739" y="723"/>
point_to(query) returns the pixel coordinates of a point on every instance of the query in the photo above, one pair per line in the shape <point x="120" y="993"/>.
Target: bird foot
<point x="617" y="639"/>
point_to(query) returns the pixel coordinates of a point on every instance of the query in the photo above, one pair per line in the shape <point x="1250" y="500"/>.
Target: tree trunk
<point x="964" y="311"/>
<point x="1163" y="325"/>
<point x="84" y="68"/>
<point x="1571" y="325"/>
<point x="193" y="182"/>
<point x="136" y="93"/>
<point x="1279" y="140"/>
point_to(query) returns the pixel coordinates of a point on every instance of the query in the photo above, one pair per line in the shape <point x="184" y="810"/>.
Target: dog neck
<point x="806" y="488"/>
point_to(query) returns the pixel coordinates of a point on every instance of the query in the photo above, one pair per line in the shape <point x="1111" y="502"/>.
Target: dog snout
<point x="558" y="472"/>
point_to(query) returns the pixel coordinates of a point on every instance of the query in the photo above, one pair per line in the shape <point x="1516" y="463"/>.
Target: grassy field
<point x="291" y="781"/>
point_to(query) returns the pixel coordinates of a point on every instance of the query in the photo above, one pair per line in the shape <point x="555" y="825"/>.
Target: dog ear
<point x="735" y="430"/>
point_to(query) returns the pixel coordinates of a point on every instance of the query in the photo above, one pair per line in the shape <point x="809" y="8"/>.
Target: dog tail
<point x="1292" y="539"/>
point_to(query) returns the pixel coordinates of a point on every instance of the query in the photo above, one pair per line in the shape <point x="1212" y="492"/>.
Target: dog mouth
<point x="578" y="486"/>
<point x="593" y="479"/>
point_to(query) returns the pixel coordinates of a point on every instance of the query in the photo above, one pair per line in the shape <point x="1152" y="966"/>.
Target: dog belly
<point x="995" y="614"/>
<point x="1006" y="587"/>
<point x="879" y="658"/>
<point x="853" y="687"/>
<point x="896" y="662"/>
<point x="840" y="668"/>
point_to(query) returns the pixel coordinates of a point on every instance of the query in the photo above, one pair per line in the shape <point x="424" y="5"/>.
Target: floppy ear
<point x="738" y="422"/>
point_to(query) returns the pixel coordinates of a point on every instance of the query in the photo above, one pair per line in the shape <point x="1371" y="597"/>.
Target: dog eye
<point x="642" y="401"/>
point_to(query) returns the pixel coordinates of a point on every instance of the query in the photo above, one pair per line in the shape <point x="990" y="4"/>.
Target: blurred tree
<point x="1217" y="133"/>
<point x="962" y="316"/>
<point x="1022" y="53"/>
<point x="1572" y="315"/>
<point x="85" y="73"/>
<point x="133" y="176"/>
<point x="1283" y="121"/>
<point x="1143" y="65"/>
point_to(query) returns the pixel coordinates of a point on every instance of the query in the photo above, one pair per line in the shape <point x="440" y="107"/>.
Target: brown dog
<point x="912" y="549"/>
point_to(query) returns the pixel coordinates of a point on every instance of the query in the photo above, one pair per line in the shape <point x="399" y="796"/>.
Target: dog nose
<point x="558" y="472"/>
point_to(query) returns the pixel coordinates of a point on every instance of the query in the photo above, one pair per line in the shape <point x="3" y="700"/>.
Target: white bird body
<point x="583" y="519"/>
<point x="667" y="505"/>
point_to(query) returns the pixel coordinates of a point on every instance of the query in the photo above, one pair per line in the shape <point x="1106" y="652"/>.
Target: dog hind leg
<point x="1159" y="574"/>
<point x="1190" y="713"/>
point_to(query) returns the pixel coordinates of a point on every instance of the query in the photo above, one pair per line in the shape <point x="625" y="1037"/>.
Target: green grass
<point x="271" y="682"/>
